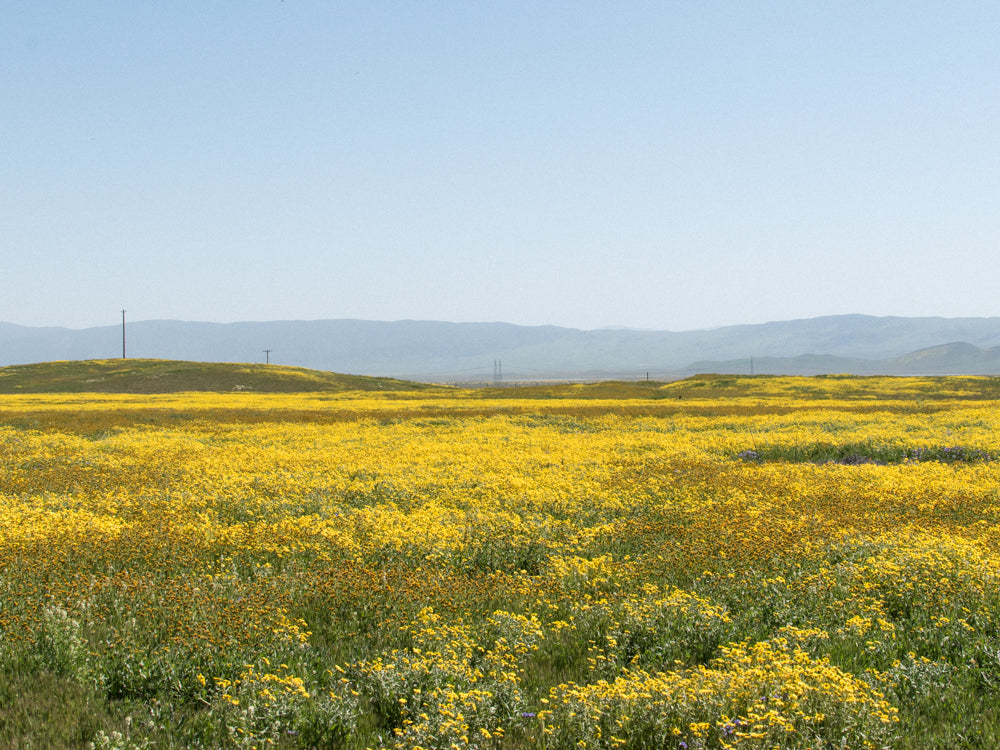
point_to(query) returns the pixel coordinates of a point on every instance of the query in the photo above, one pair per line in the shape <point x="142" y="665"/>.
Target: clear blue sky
<point x="669" y="165"/>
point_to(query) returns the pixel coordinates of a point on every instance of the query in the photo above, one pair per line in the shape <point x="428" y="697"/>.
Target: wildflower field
<point x="753" y="562"/>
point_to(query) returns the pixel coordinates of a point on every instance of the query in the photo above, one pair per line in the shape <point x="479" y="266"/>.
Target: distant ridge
<point x="956" y="356"/>
<point x="482" y="352"/>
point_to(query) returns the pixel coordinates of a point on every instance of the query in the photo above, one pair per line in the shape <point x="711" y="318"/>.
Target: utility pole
<point x="123" y="333"/>
<point x="267" y="356"/>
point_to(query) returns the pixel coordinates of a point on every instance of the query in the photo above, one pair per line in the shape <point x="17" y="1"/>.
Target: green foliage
<point x="60" y="649"/>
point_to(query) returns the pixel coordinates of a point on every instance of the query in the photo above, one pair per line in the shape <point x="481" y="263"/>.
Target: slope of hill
<point x="169" y="376"/>
<point x="950" y="358"/>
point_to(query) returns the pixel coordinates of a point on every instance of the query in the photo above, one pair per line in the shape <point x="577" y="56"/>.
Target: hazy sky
<point x="670" y="165"/>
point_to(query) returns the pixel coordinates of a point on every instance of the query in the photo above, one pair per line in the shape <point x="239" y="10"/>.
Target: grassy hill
<point x="171" y="376"/>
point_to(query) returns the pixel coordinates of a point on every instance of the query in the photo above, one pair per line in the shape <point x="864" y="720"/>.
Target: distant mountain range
<point x="484" y="352"/>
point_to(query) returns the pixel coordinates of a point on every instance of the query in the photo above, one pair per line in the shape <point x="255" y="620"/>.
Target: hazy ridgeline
<point x="434" y="351"/>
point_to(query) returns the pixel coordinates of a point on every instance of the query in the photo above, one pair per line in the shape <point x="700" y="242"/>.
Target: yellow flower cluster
<point x="762" y="695"/>
<point x="448" y="688"/>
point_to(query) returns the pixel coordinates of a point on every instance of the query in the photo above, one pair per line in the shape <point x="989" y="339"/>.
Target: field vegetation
<point x="753" y="562"/>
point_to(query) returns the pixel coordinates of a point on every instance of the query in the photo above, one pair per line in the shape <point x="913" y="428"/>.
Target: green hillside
<point x="171" y="376"/>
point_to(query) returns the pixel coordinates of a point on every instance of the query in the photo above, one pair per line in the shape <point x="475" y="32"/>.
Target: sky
<point x="659" y="165"/>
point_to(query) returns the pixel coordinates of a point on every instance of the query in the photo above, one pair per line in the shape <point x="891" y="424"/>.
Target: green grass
<point x="145" y="376"/>
<point x="39" y="709"/>
<point x="866" y="453"/>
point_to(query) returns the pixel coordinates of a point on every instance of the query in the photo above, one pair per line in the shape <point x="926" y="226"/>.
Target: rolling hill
<point x="168" y="376"/>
